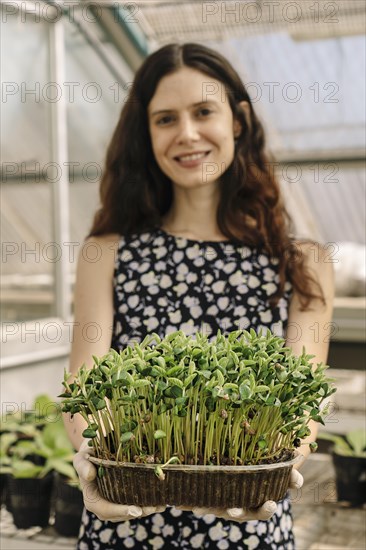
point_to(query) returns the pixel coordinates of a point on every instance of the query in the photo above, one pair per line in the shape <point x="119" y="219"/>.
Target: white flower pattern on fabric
<point x="252" y="542"/>
<point x="197" y="540"/>
<point x="105" y="535"/>
<point x="217" y="532"/>
<point x="164" y="283"/>
<point x="169" y="281"/>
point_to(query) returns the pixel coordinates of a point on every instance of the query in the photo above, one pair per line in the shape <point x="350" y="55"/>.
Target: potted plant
<point x="33" y="448"/>
<point x="188" y="422"/>
<point x="21" y="428"/>
<point x="6" y="440"/>
<point x="29" y="485"/>
<point x="68" y="500"/>
<point x="349" y="460"/>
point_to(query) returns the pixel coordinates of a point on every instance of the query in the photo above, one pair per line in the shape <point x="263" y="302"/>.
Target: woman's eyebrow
<point x="208" y="102"/>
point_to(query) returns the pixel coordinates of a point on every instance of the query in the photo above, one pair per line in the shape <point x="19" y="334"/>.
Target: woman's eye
<point x="204" y="111"/>
<point x="164" y="120"/>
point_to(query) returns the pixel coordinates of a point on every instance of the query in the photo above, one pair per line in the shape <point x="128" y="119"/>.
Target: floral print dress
<point x="164" y="283"/>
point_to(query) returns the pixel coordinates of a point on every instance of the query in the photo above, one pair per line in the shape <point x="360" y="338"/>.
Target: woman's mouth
<point x="190" y="160"/>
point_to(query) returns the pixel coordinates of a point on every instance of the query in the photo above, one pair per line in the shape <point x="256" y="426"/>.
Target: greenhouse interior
<point x="67" y="69"/>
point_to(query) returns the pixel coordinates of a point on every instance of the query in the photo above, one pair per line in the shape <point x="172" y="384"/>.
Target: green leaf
<point x="340" y="445"/>
<point x="357" y="440"/>
<point x="6" y="439"/>
<point x="25" y="469"/>
<point x="205" y="373"/>
<point x="181" y="400"/>
<point x="244" y="391"/>
<point x="190" y="379"/>
<point x="210" y="404"/>
<point x="174" y="391"/>
<point x="313" y="446"/>
<point x="54" y="436"/>
<point x="62" y="467"/>
<point x="45" y="406"/>
<point x="159" y="434"/>
<point x="273" y="401"/>
<point x="141" y="383"/>
<point x="128" y="426"/>
<point x="89" y="433"/>
<point x="165" y="407"/>
<point x="146" y="371"/>
<point x="127" y="436"/>
<point x="261" y="389"/>
<point x="99" y="404"/>
<point x="262" y="443"/>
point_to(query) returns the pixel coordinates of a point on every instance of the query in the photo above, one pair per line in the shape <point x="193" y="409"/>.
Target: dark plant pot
<point x="30" y="500"/>
<point x="195" y="486"/>
<point x="68" y="507"/>
<point x="350" y="478"/>
<point x="3" y="488"/>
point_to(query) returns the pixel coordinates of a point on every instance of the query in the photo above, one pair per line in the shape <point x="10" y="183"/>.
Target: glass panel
<point x="25" y="200"/>
<point x="94" y="100"/>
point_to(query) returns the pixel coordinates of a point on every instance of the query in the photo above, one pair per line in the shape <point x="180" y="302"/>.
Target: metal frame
<point x="60" y="188"/>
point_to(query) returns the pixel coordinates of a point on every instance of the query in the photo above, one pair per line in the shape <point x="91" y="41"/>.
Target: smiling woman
<point x="192" y="137"/>
<point x="195" y="237"/>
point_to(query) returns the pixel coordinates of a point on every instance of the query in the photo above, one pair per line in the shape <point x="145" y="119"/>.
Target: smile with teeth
<point x="193" y="156"/>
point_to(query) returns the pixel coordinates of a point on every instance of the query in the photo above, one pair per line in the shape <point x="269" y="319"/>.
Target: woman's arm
<point x="92" y="336"/>
<point x="312" y="328"/>
<point x="93" y="312"/>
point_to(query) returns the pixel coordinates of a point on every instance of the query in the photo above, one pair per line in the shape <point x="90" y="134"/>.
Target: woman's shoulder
<point x="318" y="259"/>
<point x="98" y="253"/>
<point x="314" y="251"/>
<point x="102" y="243"/>
<point x="104" y="240"/>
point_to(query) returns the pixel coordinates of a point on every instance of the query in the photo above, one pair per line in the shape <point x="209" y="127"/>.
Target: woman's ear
<point x="245" y="107"/>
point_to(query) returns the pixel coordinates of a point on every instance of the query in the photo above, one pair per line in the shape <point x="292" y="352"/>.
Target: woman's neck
<point x="193" y="215"/>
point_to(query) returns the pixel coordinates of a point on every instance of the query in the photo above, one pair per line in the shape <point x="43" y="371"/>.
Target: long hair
<point x="135" y="194"/>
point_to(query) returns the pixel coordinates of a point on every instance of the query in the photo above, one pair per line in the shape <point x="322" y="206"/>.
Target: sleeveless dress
<point x="164" y="283"/>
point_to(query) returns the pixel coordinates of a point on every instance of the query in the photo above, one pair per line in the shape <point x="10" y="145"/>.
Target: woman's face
<point x="192" y="128"/>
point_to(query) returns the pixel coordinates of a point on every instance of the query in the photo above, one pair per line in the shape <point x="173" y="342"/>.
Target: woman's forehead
<point x="186" y="86"/>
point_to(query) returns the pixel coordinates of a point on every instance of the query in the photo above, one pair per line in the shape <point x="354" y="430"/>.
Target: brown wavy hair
<point x="135" y="194"/>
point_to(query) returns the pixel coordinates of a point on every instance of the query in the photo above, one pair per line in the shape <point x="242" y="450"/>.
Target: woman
<point x="193" y="235"/>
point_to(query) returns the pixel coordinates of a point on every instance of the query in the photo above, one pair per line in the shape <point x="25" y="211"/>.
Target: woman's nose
<point x="187" y="129"/>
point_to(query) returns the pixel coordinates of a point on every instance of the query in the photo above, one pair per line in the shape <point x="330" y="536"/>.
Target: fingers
<point x="234" y="514"/>
<point x="119" y="512"/>
<point x="296" y="479"/>
<point x="105" y="510"/>
<point x="84" y="447"/>
<point x="199" y="512"/>
<point x="237" y="514"/>
<point x="186" y="508"/>
<point x="84" y="468"/>
<point x="264" y="512"/>
<point x="109" y="511"/>
<point x="148" y="510"/>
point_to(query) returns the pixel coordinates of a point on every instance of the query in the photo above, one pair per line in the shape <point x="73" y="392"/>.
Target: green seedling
<point x="243" y="398"/>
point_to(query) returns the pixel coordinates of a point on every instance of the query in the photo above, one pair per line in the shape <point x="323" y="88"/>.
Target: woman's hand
<point x="265" y="512"/>
<point x="103" y="509"/>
